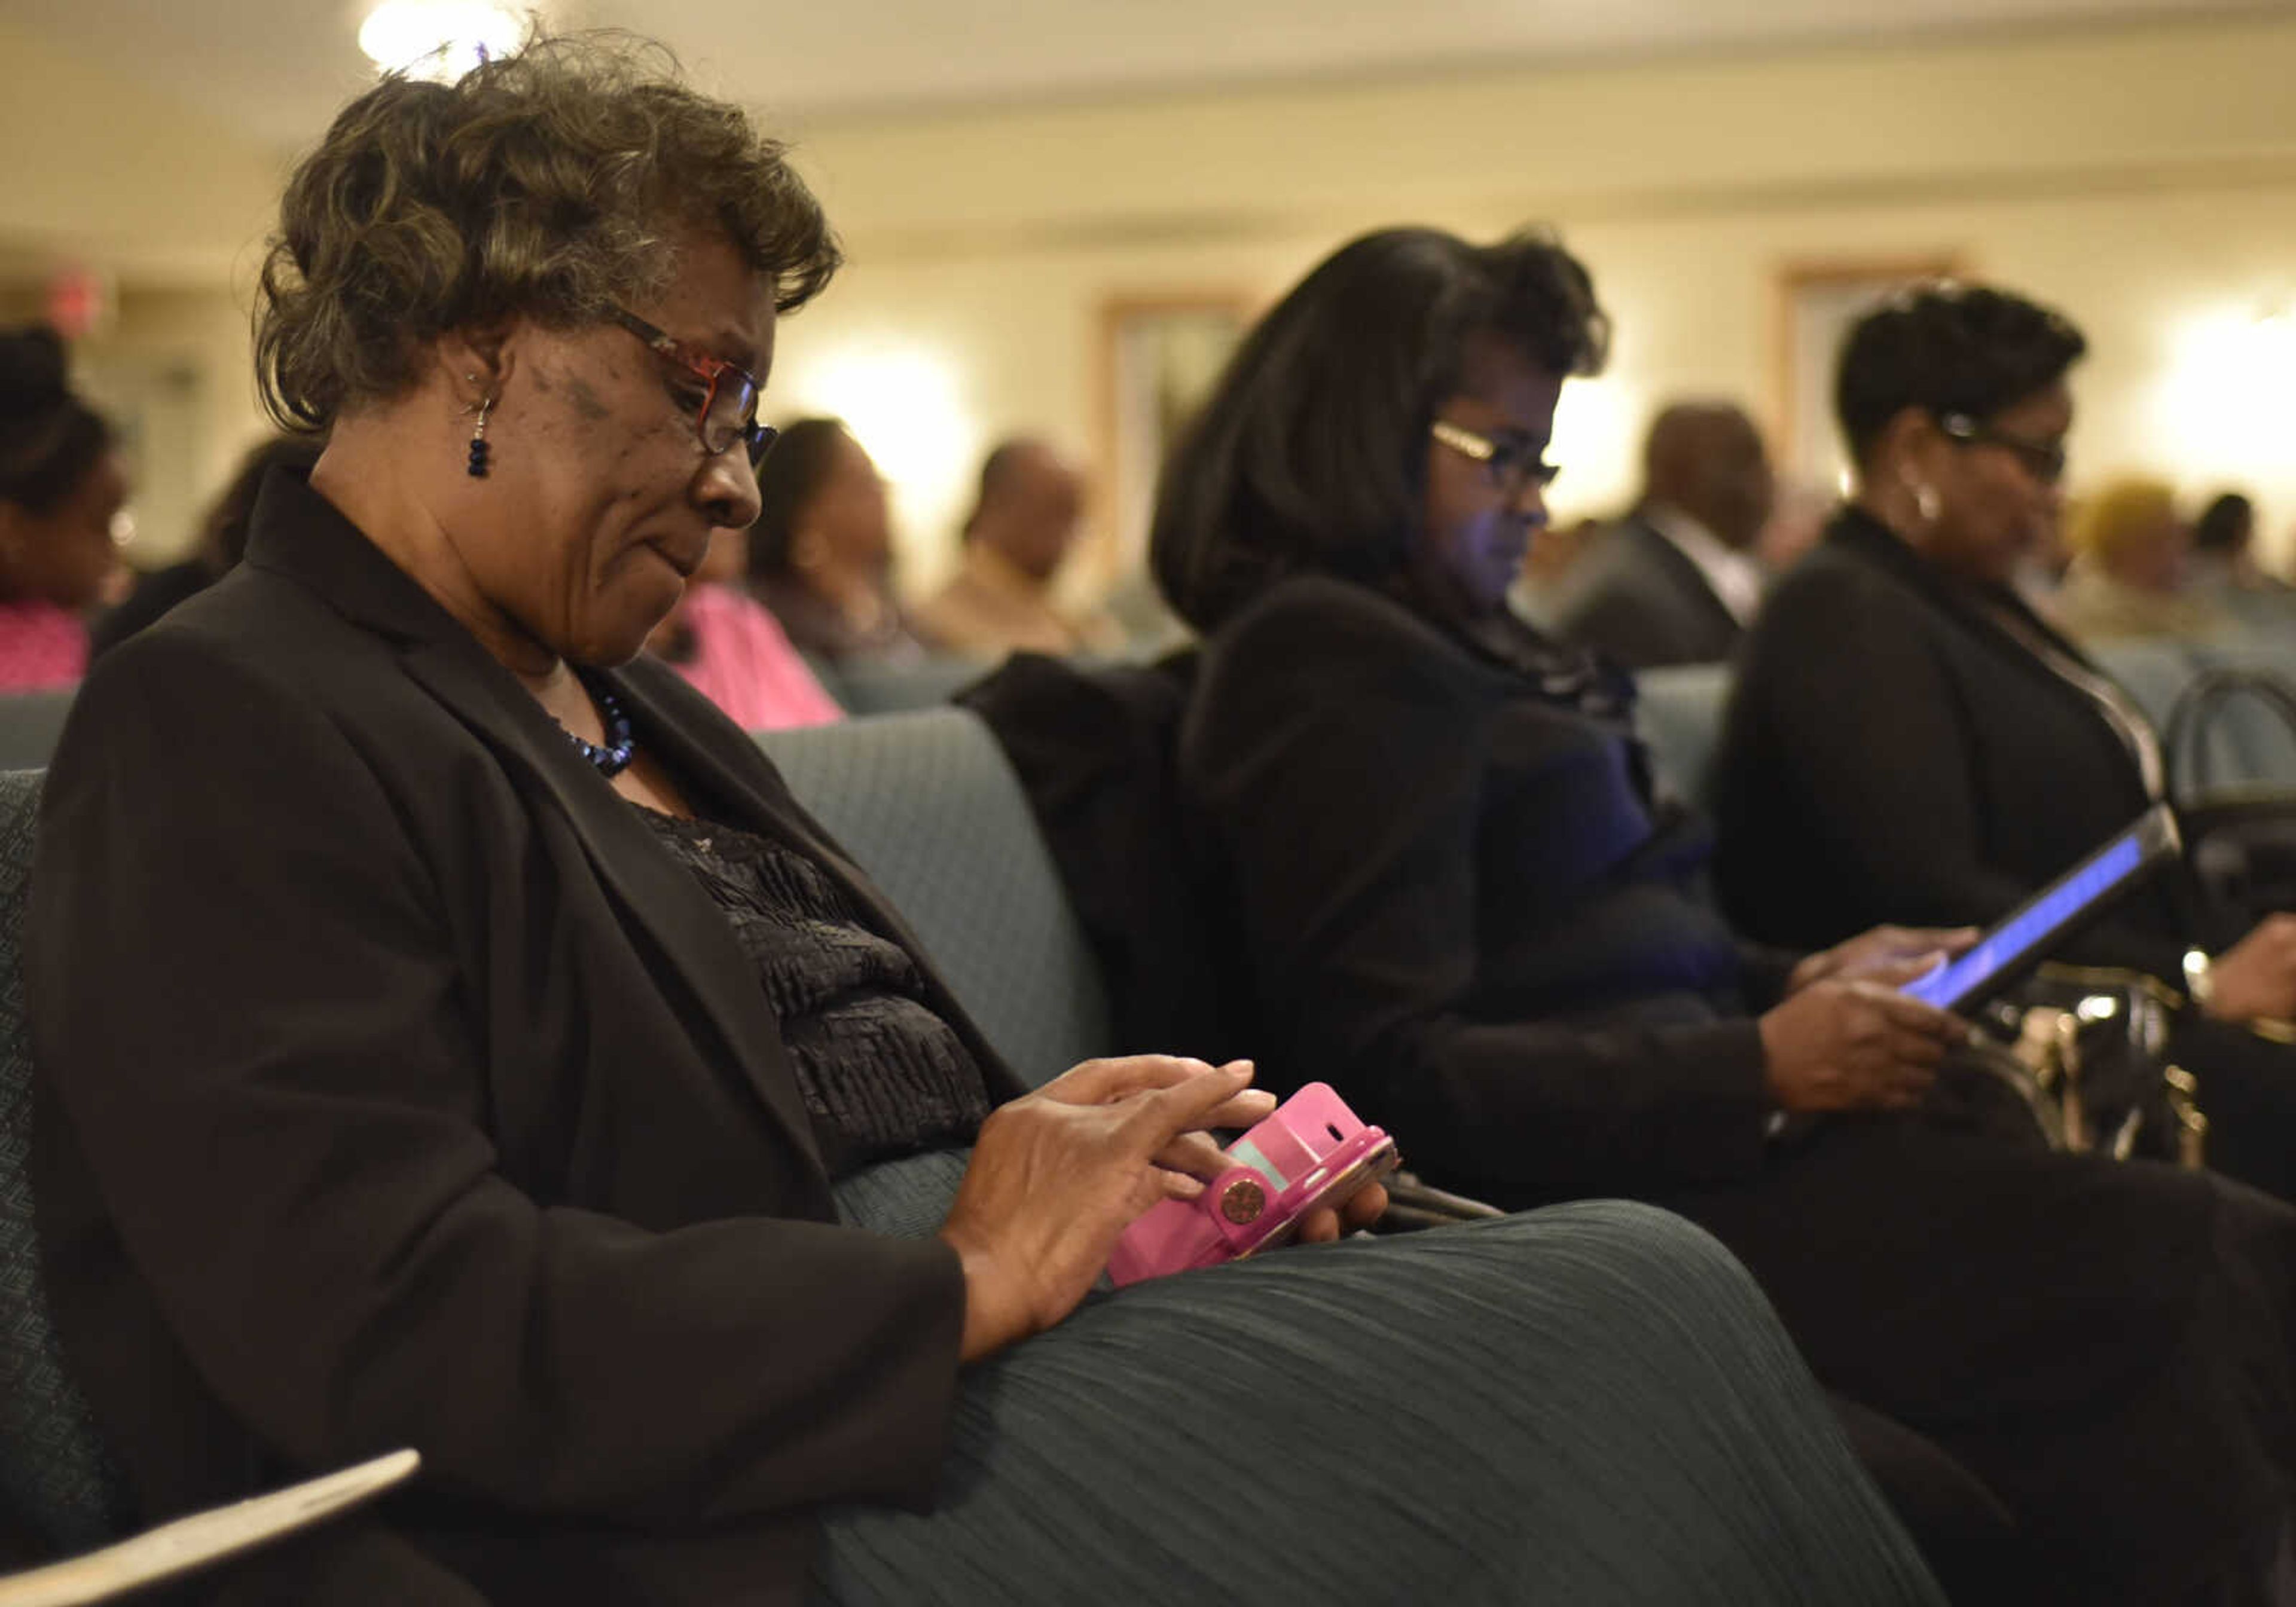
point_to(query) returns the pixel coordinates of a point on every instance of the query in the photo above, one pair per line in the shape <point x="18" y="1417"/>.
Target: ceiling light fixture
<point x="438" y="39"/>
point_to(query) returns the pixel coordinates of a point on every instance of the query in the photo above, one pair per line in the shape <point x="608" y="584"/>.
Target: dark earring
<point x="480" y="451"/>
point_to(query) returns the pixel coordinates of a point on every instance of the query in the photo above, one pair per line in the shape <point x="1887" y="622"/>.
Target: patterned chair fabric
<point x="967" y="869"/>
<point x="53" y="1477"/>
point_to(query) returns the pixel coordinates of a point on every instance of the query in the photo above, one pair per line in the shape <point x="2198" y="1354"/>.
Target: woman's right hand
<point x="1058" y="1174"/>
<point x="2255" y="979"/>
<point x="1857" y="1045"/>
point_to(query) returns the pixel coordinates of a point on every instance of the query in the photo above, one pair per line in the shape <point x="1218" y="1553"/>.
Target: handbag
<point x="2081" y="1055"/>
<point x="2240" y="837"/>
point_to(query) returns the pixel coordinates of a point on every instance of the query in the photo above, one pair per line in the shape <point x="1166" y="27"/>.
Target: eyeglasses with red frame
<point x="729" y="402"/>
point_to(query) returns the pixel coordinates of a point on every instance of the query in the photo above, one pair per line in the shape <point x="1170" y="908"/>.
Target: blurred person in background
<point x="63" y="492"/>
<point x="1677" y="582"/>
<point x="821" y="555"/>
<point x="733" y="651"/>
<point x="1020" y="532"/>
<point x="2131" y="573"/>
<point x="1909" y="737"/>
<point x="221" y="543"/>
<point x="1796" y="524"/>
<point x="2225" y="570"/>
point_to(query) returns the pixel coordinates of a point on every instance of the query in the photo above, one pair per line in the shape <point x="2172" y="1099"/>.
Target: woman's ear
<point x="477" y="362"/>
<point x="1909" y="450"/>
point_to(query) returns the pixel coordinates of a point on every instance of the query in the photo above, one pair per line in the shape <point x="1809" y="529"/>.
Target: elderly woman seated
<point x="453" y="1031"/>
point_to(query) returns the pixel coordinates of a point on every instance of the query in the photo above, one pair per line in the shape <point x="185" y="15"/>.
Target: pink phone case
<point x="1313" y="1151"/>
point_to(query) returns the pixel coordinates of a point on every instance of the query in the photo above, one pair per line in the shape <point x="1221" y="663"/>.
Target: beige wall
<point x="167" y="344"/>
<point x="2143" y="178"/>
<point x="99" y="166"/>
<point x="170" y="205"/>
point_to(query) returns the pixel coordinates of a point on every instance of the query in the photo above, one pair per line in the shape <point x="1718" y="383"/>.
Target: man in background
<point x="1018" y="535"/>
<point x="1677" y="582"/>
<point x="2225" y="570"/>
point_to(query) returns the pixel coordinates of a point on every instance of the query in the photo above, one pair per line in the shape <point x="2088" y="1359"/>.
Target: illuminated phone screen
<point x="2016" y="939"/>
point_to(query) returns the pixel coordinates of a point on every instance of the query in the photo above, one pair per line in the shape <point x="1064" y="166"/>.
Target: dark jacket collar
<point x="1855" y="532"/>
<point x="298" y="534"/>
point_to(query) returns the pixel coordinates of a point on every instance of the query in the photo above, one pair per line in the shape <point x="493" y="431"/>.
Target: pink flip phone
<point x="1312" y="1151"/>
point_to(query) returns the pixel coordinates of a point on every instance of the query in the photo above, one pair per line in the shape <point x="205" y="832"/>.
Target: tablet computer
<point x="2036" y="928"/>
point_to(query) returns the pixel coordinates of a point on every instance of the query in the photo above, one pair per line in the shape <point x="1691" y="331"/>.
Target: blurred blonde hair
<point x="2119" y="515"/>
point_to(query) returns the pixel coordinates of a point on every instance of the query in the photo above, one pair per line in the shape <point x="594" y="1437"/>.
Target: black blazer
<point x="1457" y="902"/>
<point x="1890" y="752"/>
<point x="399" y="1090"/>
<point x="1644" y="603"/>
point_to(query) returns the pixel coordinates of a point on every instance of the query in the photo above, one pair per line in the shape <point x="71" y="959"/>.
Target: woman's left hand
<point x="1884" y="948"/>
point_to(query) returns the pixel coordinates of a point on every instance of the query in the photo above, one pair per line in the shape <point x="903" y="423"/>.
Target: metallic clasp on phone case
<point x="1242" y="1200"/>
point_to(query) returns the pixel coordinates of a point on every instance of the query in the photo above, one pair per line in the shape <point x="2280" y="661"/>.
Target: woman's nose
<point x="727" y="489"/>
<point x="1529" y="504"/>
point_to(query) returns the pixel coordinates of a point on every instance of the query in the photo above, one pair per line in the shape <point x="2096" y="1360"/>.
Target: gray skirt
<point x="1590" y="1404"/>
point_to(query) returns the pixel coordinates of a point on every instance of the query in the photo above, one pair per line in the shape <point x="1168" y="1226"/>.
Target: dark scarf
<point x="1567" y="676"/>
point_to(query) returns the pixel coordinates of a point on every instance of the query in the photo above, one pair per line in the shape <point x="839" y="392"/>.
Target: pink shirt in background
<point x="744" y="663"/>
<point x="42" y="647"/>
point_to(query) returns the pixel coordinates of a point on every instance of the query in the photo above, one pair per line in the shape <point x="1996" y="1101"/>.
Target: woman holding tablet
<point x="1909" y="737"/>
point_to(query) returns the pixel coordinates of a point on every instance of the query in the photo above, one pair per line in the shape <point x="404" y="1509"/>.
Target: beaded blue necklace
<point x="620" y="747"/>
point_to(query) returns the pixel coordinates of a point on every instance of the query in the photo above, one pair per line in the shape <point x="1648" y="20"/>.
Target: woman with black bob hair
<point x="1454" y="893"/>
<point x="482" y="1050"/>
<point x="1293" y="468"/>
<point x="2009" y="753"/>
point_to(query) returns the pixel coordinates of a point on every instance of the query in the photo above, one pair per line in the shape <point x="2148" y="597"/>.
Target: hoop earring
<point x="480" y="451"/>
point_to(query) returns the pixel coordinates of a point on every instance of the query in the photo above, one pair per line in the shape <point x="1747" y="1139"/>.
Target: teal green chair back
<point x="926" y="803"/>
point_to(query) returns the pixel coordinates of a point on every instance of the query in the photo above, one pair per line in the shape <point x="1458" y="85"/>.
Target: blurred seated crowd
<point x="511" y="1056"/>
<point x="812" y="585"/>
<point x="1680" y="578"/>
<point x="807" y="589"/>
